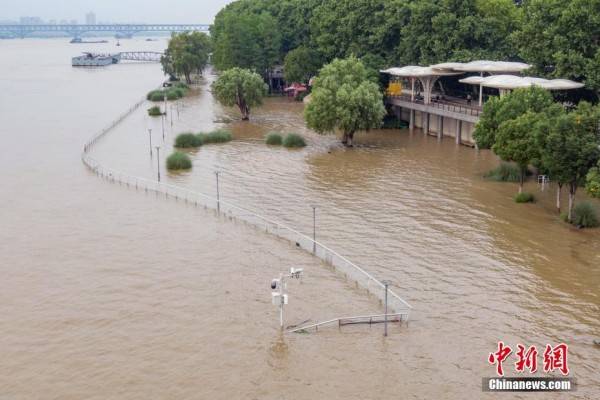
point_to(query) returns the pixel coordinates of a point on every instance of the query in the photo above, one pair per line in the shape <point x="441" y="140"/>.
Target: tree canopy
<point x="250" y="41"/>
<point x="500" y="109"/>
<point x="301" y="64"/>
<point x="344" y="98"/>
<point x="240" y="87"/>
<point x="187" y="53"/>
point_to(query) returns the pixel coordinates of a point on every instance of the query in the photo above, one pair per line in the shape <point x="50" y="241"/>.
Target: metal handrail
<point x="444" y="105"/>
<point x="318" y="249"/>
<point x="338" y="320"/>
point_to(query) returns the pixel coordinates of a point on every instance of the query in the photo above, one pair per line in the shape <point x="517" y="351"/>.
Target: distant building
<point x="30" y="21"/>
<point x="90" y="18"/>
<point x="52" y="22"/>
<point x="64" y="22"/>
<point x="73" y="22"/>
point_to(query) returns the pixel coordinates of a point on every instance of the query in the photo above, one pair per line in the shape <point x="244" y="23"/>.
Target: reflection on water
<point x="111" y="293"/>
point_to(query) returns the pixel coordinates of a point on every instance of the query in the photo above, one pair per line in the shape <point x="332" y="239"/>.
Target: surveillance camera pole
<point x="314" y="229"/>
<point x="281" y="301"/>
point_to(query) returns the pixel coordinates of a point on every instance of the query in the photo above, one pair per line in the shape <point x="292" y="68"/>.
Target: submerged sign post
<point x="280" y="298"/>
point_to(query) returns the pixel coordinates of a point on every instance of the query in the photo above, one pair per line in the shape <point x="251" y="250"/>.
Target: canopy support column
<point x="458" y="132"/>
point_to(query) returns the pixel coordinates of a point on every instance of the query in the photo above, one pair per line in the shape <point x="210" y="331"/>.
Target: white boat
<point x="95" y="60"/>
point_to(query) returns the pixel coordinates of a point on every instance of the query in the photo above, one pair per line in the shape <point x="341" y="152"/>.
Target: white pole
<point x="281" y="301"/>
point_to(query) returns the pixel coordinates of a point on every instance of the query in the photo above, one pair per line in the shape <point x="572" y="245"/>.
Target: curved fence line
<point x="234" y="212"/>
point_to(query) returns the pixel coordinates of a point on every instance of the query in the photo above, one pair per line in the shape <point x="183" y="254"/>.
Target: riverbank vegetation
<point x="178" y="161"/>
<point x="524" y="197"/>
<point x="240" y="87"/>
<point x="154" y="111"/>
<point x="188" y="140"/>
<point x="293" y="140"/>
<point x="187" y="53"/>
<point x="274" y="139"/>
<point x="505" y="172"/>
<point x="177" y="91"/>
<point x="216" y="136"/>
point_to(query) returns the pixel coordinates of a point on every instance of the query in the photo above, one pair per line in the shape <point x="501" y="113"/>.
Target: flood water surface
<point x="112" y="292"/>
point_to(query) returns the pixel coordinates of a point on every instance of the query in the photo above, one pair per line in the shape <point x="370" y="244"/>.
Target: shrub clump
<point x="154" y="111"/>
<point x="584" y="216"/>
<point x="274" y="139"/>
<point x="173" y="93"/>
<point x="188" y="140"/>
<point x="179" y="160"/>
<point x="293" y="140"/>
<point x="524" y="198"/>
<point x="504" y="173"/>
<point x="218" y="136"/>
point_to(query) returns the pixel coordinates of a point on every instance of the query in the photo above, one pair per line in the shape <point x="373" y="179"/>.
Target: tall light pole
<point x="386" y="284"/>
<point x="162" y="120"/>
<point x="158" y="161"/>
<point x="150" y="136"/>
<point x="218" y="196"/>
<point x="314" y="229"/>
<point x="171" y="110"/>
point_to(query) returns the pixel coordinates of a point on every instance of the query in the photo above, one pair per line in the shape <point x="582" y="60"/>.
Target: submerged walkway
<point x="341" y="264"/>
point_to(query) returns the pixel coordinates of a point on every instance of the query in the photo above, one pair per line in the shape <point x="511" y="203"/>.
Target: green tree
<point x="301" y="64"/>
<point x="515" y="142"/>
<point x="344" y="98"/>
<point x="592" y="185"/>
<point x="240" y="87"/>
<point x="500" y="109"/>
<point x="250" y="41"/>
<point x="560" y="38"/>
<point x="571" y="147"/>
<point x="187" y="53"/>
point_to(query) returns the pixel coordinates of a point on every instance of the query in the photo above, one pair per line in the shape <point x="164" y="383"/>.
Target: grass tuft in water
<point x="585" y="216"/>
<point x="178" y="161"/>
<point x="217" y="136"/>
<point x="188" y="140"/>
<point x="293" y="140"/>
<point x="524" y="198"/>
<point x="274" y="139"/>
<point x="154" y="111"/>
<point x="504" y="173"/>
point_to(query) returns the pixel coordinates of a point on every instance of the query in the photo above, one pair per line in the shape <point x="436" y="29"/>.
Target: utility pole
<point x="150" y="136"/>
<point x="158" y="161"/>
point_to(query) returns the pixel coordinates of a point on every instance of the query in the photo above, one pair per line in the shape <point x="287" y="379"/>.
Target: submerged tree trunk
<point x="572" y="190"/>
<point x="521" y="180"/>
<point x="244" y="109"/>
<point x="350" y="139"/>
<point x="347" y="138"/>
<point x="558" y="191"/>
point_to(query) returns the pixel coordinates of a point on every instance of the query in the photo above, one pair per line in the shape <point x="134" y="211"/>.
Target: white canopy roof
<point x="483" y="66"/>
<point x="414" y="71"/>
<point x="515" y="82"/>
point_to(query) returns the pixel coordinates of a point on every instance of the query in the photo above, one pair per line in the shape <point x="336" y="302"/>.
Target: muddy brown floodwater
<point x="111" y="293"/>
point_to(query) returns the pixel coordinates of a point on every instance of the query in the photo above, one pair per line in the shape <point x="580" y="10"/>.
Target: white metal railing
<point x="359" y="319"/>
<point x="234" y="212"/>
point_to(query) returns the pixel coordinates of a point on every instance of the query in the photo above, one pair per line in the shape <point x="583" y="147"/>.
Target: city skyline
<point x="115" y="11"/>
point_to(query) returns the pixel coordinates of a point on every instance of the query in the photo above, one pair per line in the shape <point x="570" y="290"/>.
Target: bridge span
<point x="121" y="29"/>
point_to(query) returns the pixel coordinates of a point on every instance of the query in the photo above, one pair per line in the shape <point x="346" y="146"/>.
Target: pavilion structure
<point x="457" y="116"/>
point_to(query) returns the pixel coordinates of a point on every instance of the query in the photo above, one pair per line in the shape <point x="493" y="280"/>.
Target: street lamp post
<point x="385" y="321"/>
<point x="162" y="120"/>
<point x="314" y="229"/>
<point x="218" y="195"/>
<point x="158" y="160"/>
<point x="150" y="137"/>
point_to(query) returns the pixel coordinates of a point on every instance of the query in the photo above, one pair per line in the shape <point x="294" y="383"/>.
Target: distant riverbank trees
<point x="187" y="53"/>
<point x="239" y="87"/>
<point x="344" y="99"/>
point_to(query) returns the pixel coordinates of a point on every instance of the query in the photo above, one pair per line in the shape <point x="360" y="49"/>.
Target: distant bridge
<point x="125" y="30"/>
<point x="152" y="56"/>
